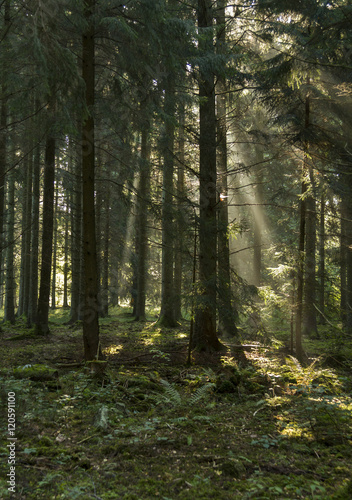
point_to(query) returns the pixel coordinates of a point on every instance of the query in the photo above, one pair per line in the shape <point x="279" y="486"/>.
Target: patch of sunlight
<point x="182" y="335"/>
<point x="152" y="337"/>
<point x="228" y="361"/>
<point x="113" y="349"/>
<point x="296" y="432"/>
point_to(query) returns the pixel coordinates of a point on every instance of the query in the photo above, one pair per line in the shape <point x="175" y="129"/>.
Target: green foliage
<point x="172" y="396"/>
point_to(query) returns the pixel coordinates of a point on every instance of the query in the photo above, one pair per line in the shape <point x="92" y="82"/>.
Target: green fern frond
<point x="171" y="393"/>
<point x="200" y="393"/>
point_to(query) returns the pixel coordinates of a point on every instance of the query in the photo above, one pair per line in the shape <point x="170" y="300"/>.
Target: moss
<point x="35" y="372"/>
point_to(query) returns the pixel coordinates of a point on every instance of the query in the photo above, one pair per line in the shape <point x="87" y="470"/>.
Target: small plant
<point x="172" y="397"/>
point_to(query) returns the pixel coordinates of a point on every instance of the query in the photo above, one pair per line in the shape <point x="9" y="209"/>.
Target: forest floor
<point x="246" y="424"/>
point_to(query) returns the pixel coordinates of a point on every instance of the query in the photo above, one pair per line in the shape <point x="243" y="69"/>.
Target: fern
<point x="173" y="397"/>
<point x="171" y="394"/>
<point x="200" y="393"/>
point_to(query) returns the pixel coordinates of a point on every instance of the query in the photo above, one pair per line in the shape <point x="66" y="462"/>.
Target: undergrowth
<point x="260" y="427"/>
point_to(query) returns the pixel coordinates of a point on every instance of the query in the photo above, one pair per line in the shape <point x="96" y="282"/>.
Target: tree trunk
<point x="9" y="313"/>
<point x="226" y="310"/>
<point x="141" y="236"/>
<point x="322" y="260"/>
<point x="167" y="311"/>
<point x="180" y="218"/>
<point x="205" y="336"/>
<point x="3" y="145"/>
<point x="309" y="311"/>
<point x="258" y="241"/>
<point x="300" y="274"/>
<point x="42" y="325"/>
<point x="92" y="349"/>
<point x="34" y="265"/>
<point x="343" y="262"/>
<point x="349" y="268"/>
<point x="76" y="238"/>
<point x="53" y="281"/>
<point x="23" y="197"/>
<point x="65" y="298"/>
<point x="105" y="263"/>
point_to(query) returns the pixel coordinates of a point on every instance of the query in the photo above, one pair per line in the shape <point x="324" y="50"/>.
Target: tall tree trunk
<point x="141" y="236"/>
<point x="66" y="251"/>
<point x="258" y="229"/>
<point x="53" y="280"/>
<point x="42" y="325"/>
<point x="301" y="244"/>
<point x="9" y="313"/>
<point x="28" y="233"/>
<point x="180" y="220"/>
<point x="92" y="349"/>
<point x="226" y="312"/>
<point x="3" y="143"/>
<point x="205" y="336"/>
<point x="76" y="236"/>
<point x="24" y="194"/>
<point x="167" y="312"/>
<point x="349" y="267"/>
<point x="309" y="310"/>
<point x="343" y="262"/>
<point x="105" y="263"/>
<point x="322" y="259"/>
<point x="34" y="265"/>
<point x="300" y="274"/>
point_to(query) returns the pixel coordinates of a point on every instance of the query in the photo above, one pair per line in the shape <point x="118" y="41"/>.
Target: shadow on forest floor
<point x="241" y="424"/>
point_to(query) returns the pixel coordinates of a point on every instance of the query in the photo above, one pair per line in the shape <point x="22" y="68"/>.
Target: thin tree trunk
<point x="9" y="313"/>
<point x="53" y="280"/>
<point x="226" y="311"/>
<point x="309" y="309"/>
<point x="322" y="260"/>
<point x="180" y="220"/>
<point x="301" y="245"/>
<point x="20" y="310"/>
<point x="105" y="267"/>
<point x="258" y="241"/>
<point x="76" y="237"/>
<point x="167" y="311"/>
<point x="66" y="251"/>
<point x="300" y="274"/>
<point x="349" y="268"/>
<point x="92" y="348"/>
<point x="3" y="146"/>
<point x="42" y="325"/>
<point x="205" y="336"/>
<point x="142" y="217"/>
<point x="343" y="263"/>
<point x="34" y="265"/>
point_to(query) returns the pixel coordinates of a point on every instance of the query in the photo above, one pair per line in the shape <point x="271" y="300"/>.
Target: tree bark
<point x="309" y="311"/>
<point x="53" y="281"/>
<point x="34" y="265"/>
<point x="141" y="236"/>
<point x="92" y="349"/>
<point x="180" y="220"/>
<point x="167" y="312"/>
<point x="343" y="262"/>
<point x="205" y="336"/>
<point x="322" y="259"/>
<point x="226" y="312"/>
<point x="42" y="325"/>
<point x="76" y="235"/>
<point x="9" y="313"/>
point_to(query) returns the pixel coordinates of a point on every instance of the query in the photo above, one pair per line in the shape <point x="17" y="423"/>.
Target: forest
<point x="176" y="249"/>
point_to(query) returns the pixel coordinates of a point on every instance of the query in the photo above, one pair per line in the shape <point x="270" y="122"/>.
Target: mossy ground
<point x="250" y="426"/>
